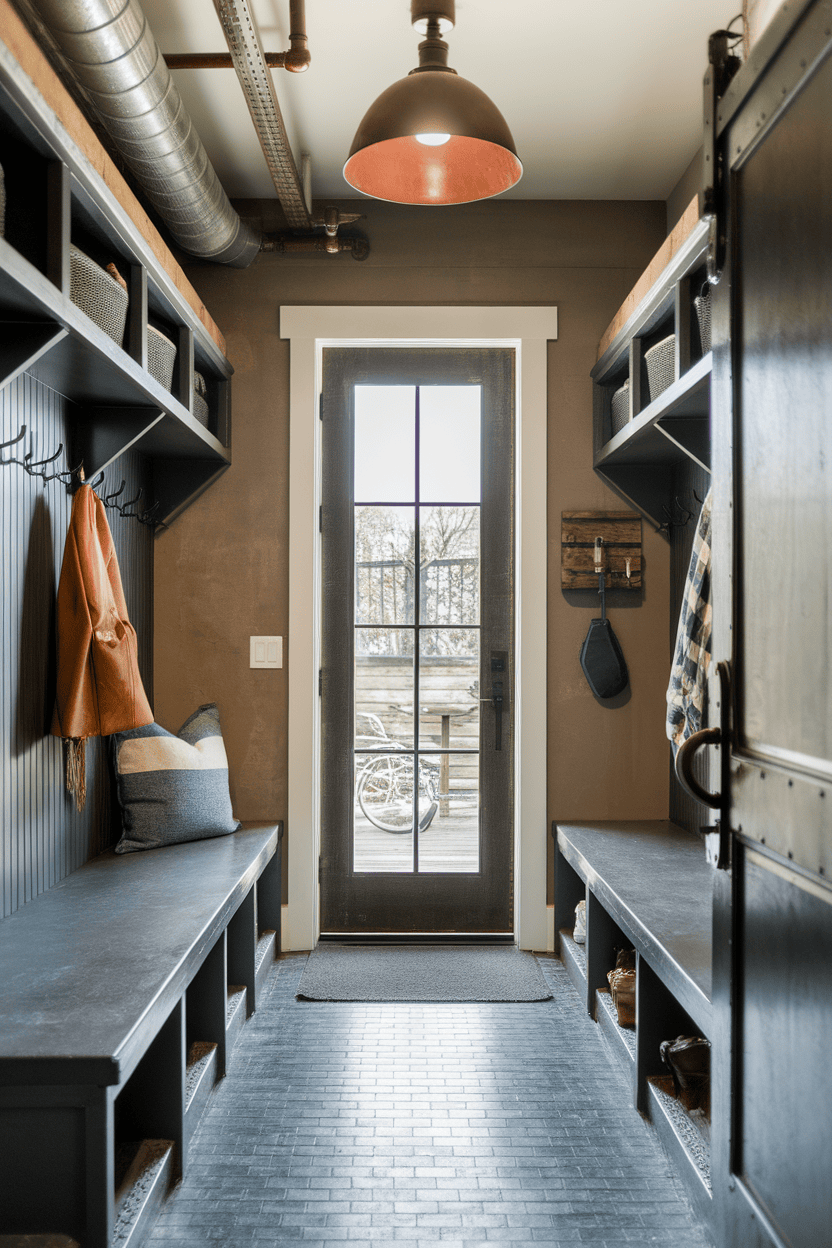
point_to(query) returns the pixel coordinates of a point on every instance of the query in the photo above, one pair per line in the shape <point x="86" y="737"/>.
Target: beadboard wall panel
<point x="43" y="838"/>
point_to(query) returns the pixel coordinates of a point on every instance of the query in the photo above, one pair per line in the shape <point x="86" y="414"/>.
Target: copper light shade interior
<point x="472" y="156"/>
<point x="407" y="172"/>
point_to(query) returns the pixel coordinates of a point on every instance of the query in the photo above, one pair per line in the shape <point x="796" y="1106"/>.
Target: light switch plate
<point x="266" y="652"/>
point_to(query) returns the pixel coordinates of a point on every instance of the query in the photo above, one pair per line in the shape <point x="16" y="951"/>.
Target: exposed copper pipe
<point x="296" y="59"/>
<point x="215" y="60"/>
<point x="292" y="244"/>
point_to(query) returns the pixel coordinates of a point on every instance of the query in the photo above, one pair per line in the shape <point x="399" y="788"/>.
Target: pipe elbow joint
<point x="298" y="59"/>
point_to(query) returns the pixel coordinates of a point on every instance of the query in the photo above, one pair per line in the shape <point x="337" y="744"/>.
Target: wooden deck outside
<point x="450" y="844"/>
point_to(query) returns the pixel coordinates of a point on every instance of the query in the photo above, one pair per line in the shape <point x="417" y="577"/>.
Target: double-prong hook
<point x="130" y="514"/>
<point x="109" y="499"/>
<point x="30" y="465"/>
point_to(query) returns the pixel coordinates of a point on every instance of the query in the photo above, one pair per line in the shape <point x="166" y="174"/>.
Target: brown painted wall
<point x="221" y="570"/>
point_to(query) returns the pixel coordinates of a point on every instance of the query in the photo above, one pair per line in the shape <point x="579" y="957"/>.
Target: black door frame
<point x="424" y="901"/>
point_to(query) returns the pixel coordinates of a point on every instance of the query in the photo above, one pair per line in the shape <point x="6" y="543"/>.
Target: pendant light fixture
<point x="433" y="137"/>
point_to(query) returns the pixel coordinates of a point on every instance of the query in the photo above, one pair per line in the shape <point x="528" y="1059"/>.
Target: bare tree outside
<point x="386" y="571"/>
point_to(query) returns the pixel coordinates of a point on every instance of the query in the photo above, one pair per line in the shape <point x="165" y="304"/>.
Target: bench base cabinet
<point x="646" y="886"/>
<point x="114" y="1045"/>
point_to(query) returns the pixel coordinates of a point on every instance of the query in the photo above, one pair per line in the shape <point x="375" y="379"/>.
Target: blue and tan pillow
<point x="173" y="788"/>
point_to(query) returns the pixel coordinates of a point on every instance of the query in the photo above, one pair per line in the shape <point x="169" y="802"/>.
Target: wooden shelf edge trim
<point x="688" y="237"/>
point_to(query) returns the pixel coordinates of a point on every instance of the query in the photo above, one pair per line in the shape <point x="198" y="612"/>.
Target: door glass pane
<point x="449" y="691"/>
<point x="449" y="443"/>
<point x="383" y="820"/>
<point x="451" y="842"/>
<point x="449" y="585"/>
<point x="383" y="688"/>
<point x="385" y="540"/>
<point x="385" y="433"/>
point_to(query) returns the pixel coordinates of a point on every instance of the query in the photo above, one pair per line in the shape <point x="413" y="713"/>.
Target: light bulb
<point x="433" y="140"/>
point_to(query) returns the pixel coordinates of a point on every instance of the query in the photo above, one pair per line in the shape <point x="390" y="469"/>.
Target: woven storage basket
<point x="702" y="304"/>
<point x="200" y="399"/>
<point x="161" y="355"/>
<point x="200" y="408"/>
<point x="98" y="294"/>
<point x="620" y="407"/>
<point x="660" y="366"/>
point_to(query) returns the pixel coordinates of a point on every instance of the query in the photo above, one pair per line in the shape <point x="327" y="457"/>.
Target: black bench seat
<point x="652" y="878"/>
<point x="105" y="981"/>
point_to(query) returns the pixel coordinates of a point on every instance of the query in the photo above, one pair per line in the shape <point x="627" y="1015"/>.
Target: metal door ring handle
<point x="684" y="766"/>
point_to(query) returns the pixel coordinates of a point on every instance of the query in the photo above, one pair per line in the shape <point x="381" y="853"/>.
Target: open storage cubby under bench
<point x="57" y="197"/>
<point x="114" y="992"/>
<point x="647" y="886"/>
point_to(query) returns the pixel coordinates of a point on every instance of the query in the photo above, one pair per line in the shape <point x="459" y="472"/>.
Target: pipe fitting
<point x="298" y="59"/>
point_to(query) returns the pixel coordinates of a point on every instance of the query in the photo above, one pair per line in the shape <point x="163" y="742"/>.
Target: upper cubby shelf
<point x="162" y="385"/>
<point x="652" y="380"/>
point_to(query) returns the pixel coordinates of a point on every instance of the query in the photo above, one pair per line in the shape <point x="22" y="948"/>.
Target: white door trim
<point x="309" y="329"/>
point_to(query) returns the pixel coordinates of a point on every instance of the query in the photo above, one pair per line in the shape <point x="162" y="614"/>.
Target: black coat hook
<point x="30" y="465"/>
<point x="13" y="442"/>
<point x="109" y="498"/>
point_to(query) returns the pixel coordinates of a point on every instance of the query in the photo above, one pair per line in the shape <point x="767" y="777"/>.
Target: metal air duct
<point x="112" y="52"/>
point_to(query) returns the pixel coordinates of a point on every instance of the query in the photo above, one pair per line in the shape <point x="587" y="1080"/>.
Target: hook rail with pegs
<point x="74" y="476"/>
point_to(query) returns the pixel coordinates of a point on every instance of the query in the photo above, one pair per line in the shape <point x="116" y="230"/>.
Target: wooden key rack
<point x="620" y="549"/>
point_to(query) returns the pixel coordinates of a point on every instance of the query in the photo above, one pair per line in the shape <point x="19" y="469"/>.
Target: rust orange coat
<point x="99" y="689"/>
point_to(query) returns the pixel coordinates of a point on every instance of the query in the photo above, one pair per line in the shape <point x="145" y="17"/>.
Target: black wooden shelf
<point x="55" y="197"/>
<point x="675" y="425"/>
<point x="639" y="460"/>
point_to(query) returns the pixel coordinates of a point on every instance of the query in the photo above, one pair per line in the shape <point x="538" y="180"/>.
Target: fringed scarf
<point x="99" y="690"/>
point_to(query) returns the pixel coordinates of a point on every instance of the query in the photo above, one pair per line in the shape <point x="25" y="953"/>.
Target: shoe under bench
<point x="647" y="886"/>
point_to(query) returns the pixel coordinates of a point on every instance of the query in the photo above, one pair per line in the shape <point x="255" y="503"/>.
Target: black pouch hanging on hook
<point x="601" y="656"/>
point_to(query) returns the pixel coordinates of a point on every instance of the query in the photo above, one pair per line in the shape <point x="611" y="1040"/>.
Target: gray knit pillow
<point x="173" y="788"/>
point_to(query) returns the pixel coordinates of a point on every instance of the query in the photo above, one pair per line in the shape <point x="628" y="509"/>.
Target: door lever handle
<point x="499" y="662"/>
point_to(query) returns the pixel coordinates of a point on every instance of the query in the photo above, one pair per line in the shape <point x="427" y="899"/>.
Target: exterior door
<point x="418" y="636"/>
<point x="773" y="524"/>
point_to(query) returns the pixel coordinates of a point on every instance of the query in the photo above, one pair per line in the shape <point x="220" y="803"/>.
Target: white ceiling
<point x="603" y="97"/>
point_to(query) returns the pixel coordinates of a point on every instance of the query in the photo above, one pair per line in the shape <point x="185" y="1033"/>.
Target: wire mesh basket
<point x="702" y="304"/>
<point x="620" y="407"/>
<point x="98" y="294"/>
<point x="660" y="365"/>
<point x="161" y="356"/>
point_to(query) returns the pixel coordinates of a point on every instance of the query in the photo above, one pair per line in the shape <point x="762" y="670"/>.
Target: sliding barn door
<point x="773" y="582"/>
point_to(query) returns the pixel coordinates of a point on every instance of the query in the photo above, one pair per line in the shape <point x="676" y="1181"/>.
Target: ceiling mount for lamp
<point x="433" y="137"/>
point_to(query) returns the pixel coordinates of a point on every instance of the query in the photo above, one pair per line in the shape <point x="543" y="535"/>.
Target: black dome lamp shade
<point x="433" y="137"/>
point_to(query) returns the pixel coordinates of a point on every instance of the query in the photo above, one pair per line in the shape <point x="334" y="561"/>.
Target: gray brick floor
<point x="458" y="1124"/>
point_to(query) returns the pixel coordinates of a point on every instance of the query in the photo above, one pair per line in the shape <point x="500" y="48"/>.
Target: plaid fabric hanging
<point x="692" y="653"/>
